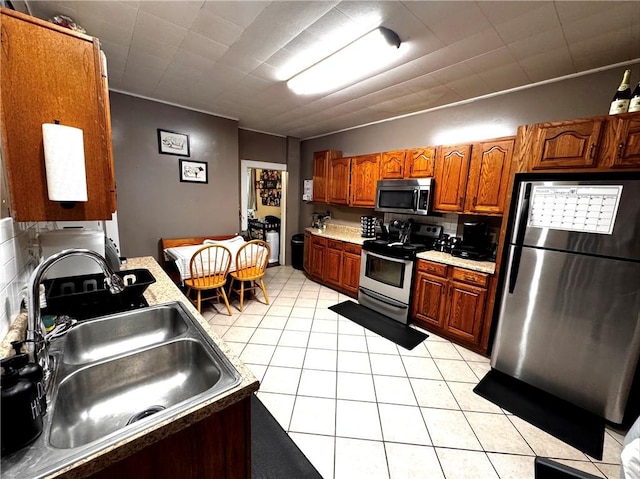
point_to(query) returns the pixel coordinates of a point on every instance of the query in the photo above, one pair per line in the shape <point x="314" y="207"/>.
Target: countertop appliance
<point x="568" y="317"/>
<point x="475" y="242"/>
<point x="387" y="267"/>
<point x="411" y="197"/>
<point x="54" y="241"/>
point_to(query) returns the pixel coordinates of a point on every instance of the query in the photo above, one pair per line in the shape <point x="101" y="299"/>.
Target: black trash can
<point x="297" y="251"/>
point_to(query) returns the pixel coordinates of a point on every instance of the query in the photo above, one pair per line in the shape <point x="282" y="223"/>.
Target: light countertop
<point x="162" y="291"/>
<point x="350" y="234"/>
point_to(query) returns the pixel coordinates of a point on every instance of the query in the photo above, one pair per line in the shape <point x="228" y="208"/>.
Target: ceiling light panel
<point x="367" y="55"/>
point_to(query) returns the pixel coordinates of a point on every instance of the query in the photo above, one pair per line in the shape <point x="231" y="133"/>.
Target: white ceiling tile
<point x="158" y="30"/>
<point x="242" y="15"/>
<point x="541" y="42"/>
<point x="152" y="47"/>
<point x="183" y="12"/>
<point x="501" y="12"/>
<point x="239" y="62"/>
<point x="490" y="60"/>
<point x="110" y="12"/>
<point x="115" y="52"/>
<point x="203" y="47"/>
<point x="571" y="11"/>
<point x="184" y="58"/>
<point x="178" y="73"/>
<point x="531" y="22"/>
<point x="611" y="20"/>
<point x="216" y="28"/>
<point x="369" y="14"/>
<point x="141" y="79"/>
<point x="612" y="47"/>
<point x="503" y="77"/>
<point x="548" y="65"/>
<point x="47" y="10"/>
<point x="448" y="21"/>
<point x="141" y="59"/>
<point x="334" y="26"/>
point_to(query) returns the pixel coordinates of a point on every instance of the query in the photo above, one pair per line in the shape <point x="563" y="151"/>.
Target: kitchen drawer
<point x="352" y="248"/>
<point x="472" y="277"/>
<point x="333" y="244"/>
<point x="438" y="269"/>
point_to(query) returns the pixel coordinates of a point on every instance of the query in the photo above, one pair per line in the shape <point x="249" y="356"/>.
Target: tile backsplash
<point x="18" y="258"/>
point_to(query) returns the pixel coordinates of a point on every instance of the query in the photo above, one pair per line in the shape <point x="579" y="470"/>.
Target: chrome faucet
<point x="36" y="345"/>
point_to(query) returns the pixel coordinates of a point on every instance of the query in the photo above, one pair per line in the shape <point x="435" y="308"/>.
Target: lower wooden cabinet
<point x="351" y="268"/>
<point x="333" y="263"/>
<point x="316" y="261"/>
<point x="450" y="301"/>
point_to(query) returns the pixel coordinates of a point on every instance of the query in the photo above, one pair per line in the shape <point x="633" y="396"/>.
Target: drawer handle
<point x="468" y="277"/>
<point x="620" y="148"/>
<point x="592" y="151"/>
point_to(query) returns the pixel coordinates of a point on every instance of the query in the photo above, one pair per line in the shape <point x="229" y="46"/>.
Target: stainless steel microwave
<point x="411" y="197"/>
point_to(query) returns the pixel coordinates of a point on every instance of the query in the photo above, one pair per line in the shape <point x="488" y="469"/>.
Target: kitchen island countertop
<point x="162" y="291"/>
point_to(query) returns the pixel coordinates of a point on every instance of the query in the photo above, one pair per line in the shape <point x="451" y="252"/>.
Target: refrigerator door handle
<point x="517" y="251"/>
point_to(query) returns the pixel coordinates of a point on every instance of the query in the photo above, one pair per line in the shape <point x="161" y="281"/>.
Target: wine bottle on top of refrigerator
<point x="620" y="102"/>
<point x="634" y="104"/>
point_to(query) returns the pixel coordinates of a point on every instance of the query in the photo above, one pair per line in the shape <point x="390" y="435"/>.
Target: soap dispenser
<point x="20" y="415"/>
<point x="31" y="371"/>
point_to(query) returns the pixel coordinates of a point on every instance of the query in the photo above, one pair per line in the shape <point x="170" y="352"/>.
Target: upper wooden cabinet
<point x="625" y="147"/>
<point x="452" y="168"/>
<point x="364" y="178"/>
<point x="572" y="144"/>
<point x="321" y="161"/>
<point x="488" y="177"/>
<point x="419" y="162"/>
<point x="412" y="163"/>
<point x="52" y="73"/>
<point x="338" y="175"/>
<point x="392" y="165"/>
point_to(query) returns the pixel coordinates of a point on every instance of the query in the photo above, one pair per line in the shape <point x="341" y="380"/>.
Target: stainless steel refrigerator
<point x="569" y="314"/>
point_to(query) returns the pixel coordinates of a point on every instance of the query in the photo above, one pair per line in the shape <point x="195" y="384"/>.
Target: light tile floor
<point x="359" y="406"/>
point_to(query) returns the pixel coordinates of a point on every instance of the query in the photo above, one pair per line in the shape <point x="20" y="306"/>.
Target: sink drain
<point x="146" y="413"/>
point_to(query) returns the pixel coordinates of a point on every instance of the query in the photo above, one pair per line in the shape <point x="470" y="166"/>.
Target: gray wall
<point x="257" y="146"/>
<point x="579" y="97"/>
<point x="152" y="202"/>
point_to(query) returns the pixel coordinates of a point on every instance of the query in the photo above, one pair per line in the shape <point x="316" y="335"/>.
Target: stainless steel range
<point x="387" y="267"/>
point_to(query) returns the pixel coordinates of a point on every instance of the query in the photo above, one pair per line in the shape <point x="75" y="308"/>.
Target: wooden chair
<point x="251" y="263"/>
<point x="209" y="268"/>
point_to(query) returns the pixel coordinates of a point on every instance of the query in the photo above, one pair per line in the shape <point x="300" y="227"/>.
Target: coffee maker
<point x="475" y="242"/>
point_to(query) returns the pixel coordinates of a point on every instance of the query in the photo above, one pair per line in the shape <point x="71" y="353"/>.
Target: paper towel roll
<point x="64" y="162"/>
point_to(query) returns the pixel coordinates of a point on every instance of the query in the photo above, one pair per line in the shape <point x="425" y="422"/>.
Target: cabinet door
<point x="419" y="162"/>
<point x="320" y="170"/>
<point x="365" y="172"/>
<point x="465" y="311"/>
<point x="339" y="181"/>
<point x="488" y="177"/>
<point x="567" y="145"/>
<point x="452" y="168"/>
<point x="351" y="272"/>
<point x="428" y="299"/>
<point x="318" y="247"/>
<point x="627" y="144"/>
<point x="307" y="252"/>
<point x="392" y="165"/>
<point x="52" y="73"/>
<point x="333" y="263"/>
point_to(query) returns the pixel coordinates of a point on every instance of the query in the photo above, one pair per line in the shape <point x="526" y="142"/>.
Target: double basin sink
<point x="115" y="376"/>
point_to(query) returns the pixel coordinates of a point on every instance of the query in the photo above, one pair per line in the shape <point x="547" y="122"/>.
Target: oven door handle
<point x="383" y="299"/>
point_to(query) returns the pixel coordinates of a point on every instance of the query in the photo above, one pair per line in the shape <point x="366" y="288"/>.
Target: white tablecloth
<point x="182" y="255"/>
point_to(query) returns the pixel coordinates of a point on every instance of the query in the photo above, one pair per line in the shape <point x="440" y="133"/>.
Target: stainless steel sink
<point x="98" y="400"/>
<point x="106" y="337"/>
<point x="118" y="375"/>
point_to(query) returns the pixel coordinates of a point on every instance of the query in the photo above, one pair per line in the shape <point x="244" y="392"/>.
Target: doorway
<point x="264" y="185"/>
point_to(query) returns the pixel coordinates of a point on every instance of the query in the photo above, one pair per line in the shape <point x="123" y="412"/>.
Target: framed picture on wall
<point x="173" y="143"/>
<point x="193" y="171"/>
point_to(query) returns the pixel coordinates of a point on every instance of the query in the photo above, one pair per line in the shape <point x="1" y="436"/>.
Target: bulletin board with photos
<point x="270" y="186"/>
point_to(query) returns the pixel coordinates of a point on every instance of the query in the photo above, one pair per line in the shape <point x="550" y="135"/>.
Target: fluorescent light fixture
<point x="366" y="55"/>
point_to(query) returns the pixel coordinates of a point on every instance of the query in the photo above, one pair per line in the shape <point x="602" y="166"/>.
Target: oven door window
<point x="385" y="271"/>
<point x="403" y="199"/>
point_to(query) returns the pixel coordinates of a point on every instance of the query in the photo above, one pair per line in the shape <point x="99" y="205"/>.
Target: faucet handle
<point x="115" y="283"/>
